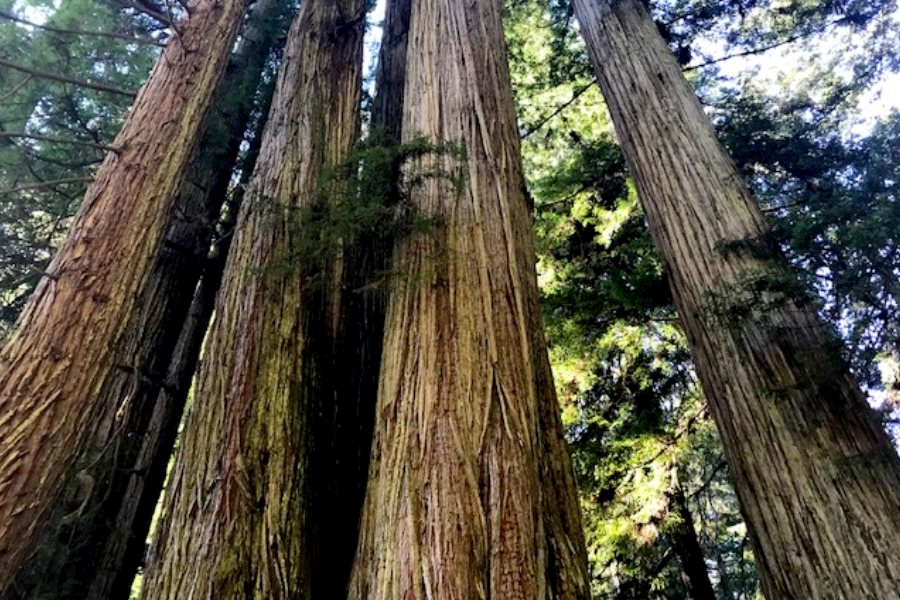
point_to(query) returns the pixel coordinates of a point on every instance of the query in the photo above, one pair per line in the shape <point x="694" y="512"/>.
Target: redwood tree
<point x="817" y="477"/>
<point x="92" y="545"/>
<point x="360" y="332"/>
<point x="251" y="481"/>
<point x="61" y="349"/>
<point x="470" y="493"/>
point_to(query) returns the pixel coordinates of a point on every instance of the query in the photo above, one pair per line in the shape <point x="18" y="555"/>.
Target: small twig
<point x="16" y="88"/>
<point x="64" y="31"/>
<point x="568" y="198"/>
<point x="172" y="20"/>
<point x="709" y="479"/>
<point x="668" y="444"/>
<point x="100" y="87"/>
<point x="45" y="184"/>
<point x="771" y="209"/>
<point x="57" y="140"/>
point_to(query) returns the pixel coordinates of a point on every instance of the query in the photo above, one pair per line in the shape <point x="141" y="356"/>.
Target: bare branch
<point x="753" y="51"/>
<point x="575" y="96"/>
<point x="709" y="479"/>
<point x="146" y="9"/>
<point x="16" y="88"/>
<point x="64" y="31"/>
<point x="100" y="87"/>
<point x="45" y="184"/>
<point x="58" y="140"/>
<point x="766" y="48"/>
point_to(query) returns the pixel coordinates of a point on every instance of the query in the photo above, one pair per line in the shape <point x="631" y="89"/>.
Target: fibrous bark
<point x="53" y="363"/>
<point x="390" y="74"/>
<point x="360" y="334"/>
<point x="816" y="475"/>
<point x="242" y="512"/>
<point x="694" y="573"/>
<point x="470" y="493"/>
<point x="91" y="546"/>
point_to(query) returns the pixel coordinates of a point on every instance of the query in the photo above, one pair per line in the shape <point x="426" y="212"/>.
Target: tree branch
<point x="578" y="93"/>
<point x="16" y="88"/>
<point x="45" y="184"/>
<point x="100" y="87"/>
<point x="709" y="479"/>
<point x="142" y="7"/>
<point x="763" y="49"/>
<point x="58" y="140"/>
<point x="61" y="30"/>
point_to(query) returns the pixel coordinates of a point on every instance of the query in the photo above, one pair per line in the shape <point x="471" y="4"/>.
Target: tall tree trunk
<point x="244" y="505"/>
<point x="52" y="364"/>
<point x="95" y="540"/>
<point x="694" y="574"/>
<point x="364" y="300"/>
<point x="390" y="74"/>
<point x="470" y="493"/>
<point x="817" y="477"/>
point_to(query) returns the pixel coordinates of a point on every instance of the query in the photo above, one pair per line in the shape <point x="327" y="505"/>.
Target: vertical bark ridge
<point x="366" y="264"/>
<point x="694" y="573"/>
<point x="242" y="509"/>
<point x="85" y="542"/>
<point x="52" y="363"/>
<point x="470" y="492"/>
<point x="390" y="74"/>
<point x="817" y="477"/>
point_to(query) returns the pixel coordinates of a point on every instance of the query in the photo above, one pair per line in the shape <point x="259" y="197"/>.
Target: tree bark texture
<point x="694" y="573"/>
<point x="817" y="477"/>
<point x="94" y="540"/>
<point x="390" y="73"/>
<point x="471" y="493"/>
<point x="53" y="364"/>
<point x="241" y="512"/>
<point x="360" y="335"/>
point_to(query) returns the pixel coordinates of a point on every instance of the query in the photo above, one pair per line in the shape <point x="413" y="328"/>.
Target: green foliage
<point x="631" y="404"/>
<point x="41" y="181"/>
<point x="369" y="194"/>
<point x="833" y="200"/>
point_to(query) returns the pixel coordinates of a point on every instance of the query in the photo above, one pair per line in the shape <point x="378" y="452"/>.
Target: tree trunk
<point x="366" y="263"/>
<point x="243" y="507"/>
<point x="142" y="398"/>
<point x="470" y="493"/>
<point x="816" y="475"/>
<point x="390" y="74"/>
<point x="694" y="574"/>
<point x="53" y="362"/>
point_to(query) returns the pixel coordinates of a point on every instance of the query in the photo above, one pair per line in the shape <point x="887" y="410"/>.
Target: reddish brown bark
<point x="686" y="544"/>
<point x="243" y="512"/>
<point x="816" y="475"/>
<point x="366" y="264"/>
<point x="95" y="555"/>
<point x="470" y="492"/>
<point x="53" y="362"/>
